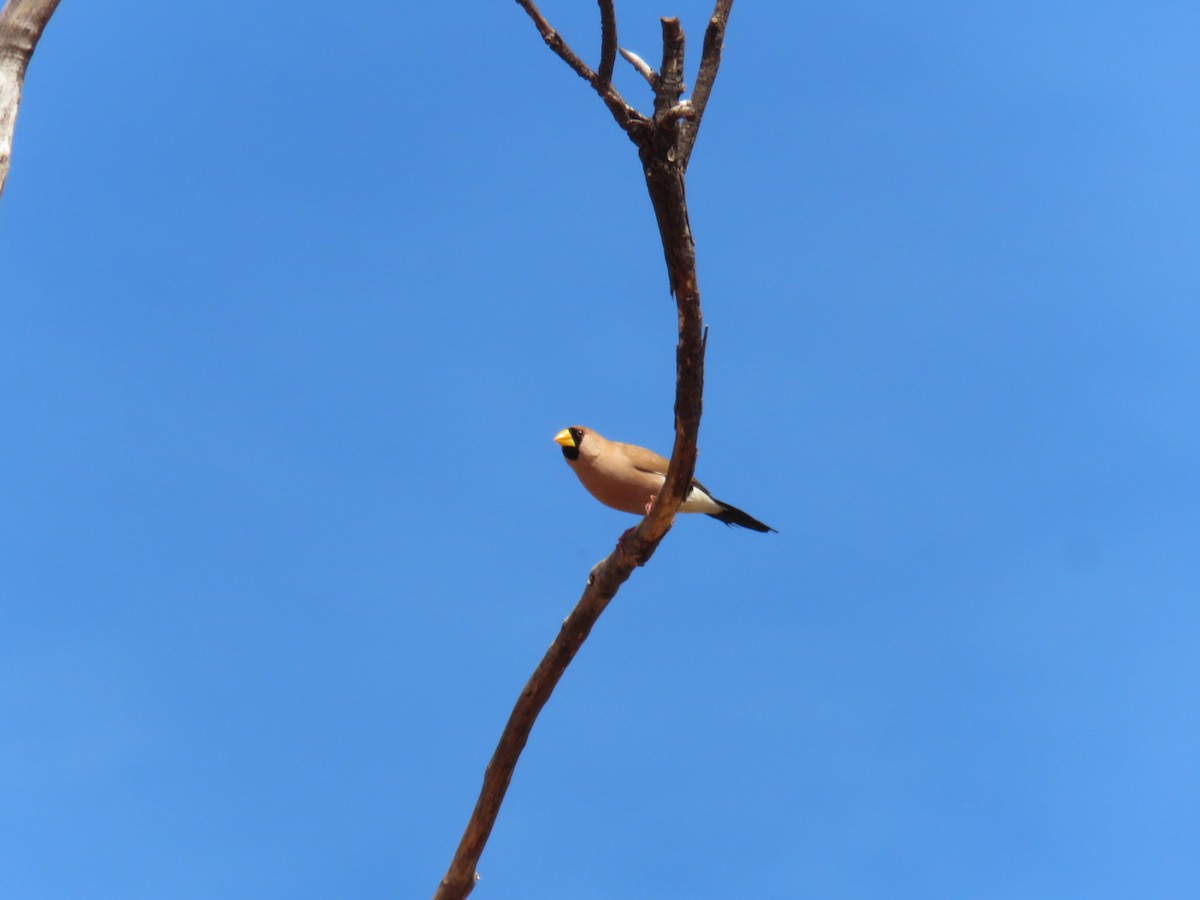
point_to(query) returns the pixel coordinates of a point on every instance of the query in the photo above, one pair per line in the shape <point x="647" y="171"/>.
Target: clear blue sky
<point x="294" y="301"/>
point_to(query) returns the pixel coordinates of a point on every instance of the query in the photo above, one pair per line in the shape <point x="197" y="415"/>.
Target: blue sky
<point x="293" y="307"/>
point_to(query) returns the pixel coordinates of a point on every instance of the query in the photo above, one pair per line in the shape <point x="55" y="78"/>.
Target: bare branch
<point x="555" y="42"/>
<point x="627" y="117"/>
<point x="601" y="587"/>
<point x="608" y="40"/>
<point x="659" y="149"/>
<point x="710" y="62"/>
<point x="670" y="76"/>
<point x="642" y="67"/>
<point x="21" y="25"/>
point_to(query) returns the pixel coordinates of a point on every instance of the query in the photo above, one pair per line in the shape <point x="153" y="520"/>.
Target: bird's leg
<point x="650" y="502"/>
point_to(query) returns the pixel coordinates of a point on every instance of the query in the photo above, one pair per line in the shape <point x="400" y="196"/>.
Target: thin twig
<point x="555" y="42"/>
<point x="21" y="25"/>
<point x="627" y="117"/>
<point x="642" y="67"/>
<point x="608" y="40"/>
<point x="710" y="62"/>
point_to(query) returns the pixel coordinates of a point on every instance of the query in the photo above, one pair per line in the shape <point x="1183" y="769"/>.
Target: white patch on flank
<point x="699" y="502"/>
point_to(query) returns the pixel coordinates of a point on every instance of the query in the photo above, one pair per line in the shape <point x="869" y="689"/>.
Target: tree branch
<point x="601" y="587"/>
<point x="643" y="68"/>
<point x="608" y="39"/>
<point x="21" y="25"/>
<point x="670" y="74"/>
<point x="627" y="117"/>
<point x="660" y="151"/>
<point x="710" y="62"/>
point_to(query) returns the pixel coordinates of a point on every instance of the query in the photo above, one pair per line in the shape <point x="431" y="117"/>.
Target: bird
<point x="628" y="478"/>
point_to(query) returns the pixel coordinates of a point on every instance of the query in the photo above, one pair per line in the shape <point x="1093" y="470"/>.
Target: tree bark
<point x="21" y="25"/>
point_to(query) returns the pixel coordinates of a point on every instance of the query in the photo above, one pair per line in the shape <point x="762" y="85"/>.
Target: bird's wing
<point x="648" y="461"/>
<point x="645" y="460"/>
<point x="651" y="463"/>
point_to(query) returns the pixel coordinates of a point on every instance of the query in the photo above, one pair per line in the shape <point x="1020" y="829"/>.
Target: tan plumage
<point x="627" y="478"/>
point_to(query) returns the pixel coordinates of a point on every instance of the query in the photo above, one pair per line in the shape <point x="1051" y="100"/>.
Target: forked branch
<point x="663" y="153"/>
<point x="627" y="117"/>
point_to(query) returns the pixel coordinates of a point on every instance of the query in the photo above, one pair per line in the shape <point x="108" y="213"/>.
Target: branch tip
<point x="710" y="62"/>
<point x="642" y="67"/>
<point x="608" y="40"/>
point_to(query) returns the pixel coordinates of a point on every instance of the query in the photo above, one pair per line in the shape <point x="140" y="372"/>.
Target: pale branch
<point x="710" y="62"/>
<point x="21" y="25"/>
<point x="682" y="110"/>
<point x="642" y="67"/>
<point x="608" y="40"/>
<point x="659" y="148"/>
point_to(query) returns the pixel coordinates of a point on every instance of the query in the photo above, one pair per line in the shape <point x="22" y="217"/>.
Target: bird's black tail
<point x="731" y="515"/>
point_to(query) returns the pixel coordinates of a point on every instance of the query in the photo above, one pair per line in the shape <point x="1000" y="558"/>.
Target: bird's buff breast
<point x="628" y="494"/>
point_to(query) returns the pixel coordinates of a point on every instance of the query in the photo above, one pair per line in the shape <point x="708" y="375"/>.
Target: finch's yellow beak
<point x="564" y="439"/>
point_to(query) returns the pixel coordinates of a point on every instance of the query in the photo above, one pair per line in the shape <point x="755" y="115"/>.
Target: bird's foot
<point x="650" y="502"/>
